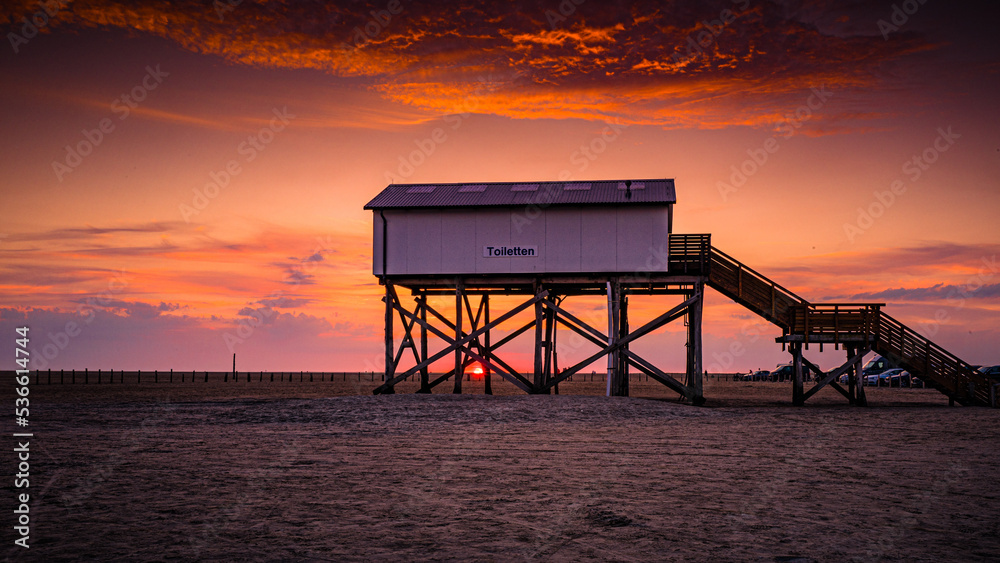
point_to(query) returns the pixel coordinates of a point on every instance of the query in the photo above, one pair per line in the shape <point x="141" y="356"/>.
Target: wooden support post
<point x="694" y="346"/>
<point x="459" y="357"/>
<point x="424" y="371"/>
<point x="622" y="364"/>
<point x="538" y="373"/>
<point x="860" y="399"/>
<point x="555" y="347"/>
<point x="611" y="380"/>
<point x="487" y="372"/>
<point x="390" y="365"/>
<point x="549" y="315"/>
<point x="797" y="398"/>
<point x="852" y="375"/>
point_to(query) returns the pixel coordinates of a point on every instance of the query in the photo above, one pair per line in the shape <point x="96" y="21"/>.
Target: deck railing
<point x="865" y="322"/>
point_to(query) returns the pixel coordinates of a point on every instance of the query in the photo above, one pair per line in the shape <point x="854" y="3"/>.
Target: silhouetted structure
<point x="549" y="241"/>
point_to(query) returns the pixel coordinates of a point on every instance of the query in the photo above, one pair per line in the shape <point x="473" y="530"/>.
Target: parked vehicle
<point x="901" y="379"/>
<point x="875" y="366"/>
<point x="993" y="372"/>
<point x="882" y="379"/>
<point x="783" y="372"/>
<point x="759" y="375"/>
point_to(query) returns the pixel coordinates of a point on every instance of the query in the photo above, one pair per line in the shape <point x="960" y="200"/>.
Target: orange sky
<point x="304" y="114"/>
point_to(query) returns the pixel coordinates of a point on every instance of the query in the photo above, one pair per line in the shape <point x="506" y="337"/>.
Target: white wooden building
<point x="522" y="228"/>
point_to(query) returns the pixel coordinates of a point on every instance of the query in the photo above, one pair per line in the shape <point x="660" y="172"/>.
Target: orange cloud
<point x="688" y="64"/>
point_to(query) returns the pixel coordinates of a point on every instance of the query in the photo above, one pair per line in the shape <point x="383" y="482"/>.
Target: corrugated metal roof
<point x="508" y="194"/>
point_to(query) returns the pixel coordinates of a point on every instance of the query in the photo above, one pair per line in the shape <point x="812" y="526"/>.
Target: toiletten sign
<point x="509" y="251"/>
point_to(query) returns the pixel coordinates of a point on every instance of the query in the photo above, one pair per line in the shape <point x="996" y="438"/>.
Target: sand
<point x="319" y="471"/>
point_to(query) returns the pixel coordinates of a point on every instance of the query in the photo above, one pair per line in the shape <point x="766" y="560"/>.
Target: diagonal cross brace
<point x="460" y="344"/>
<point x="634" y="359"/>
<point x="645" y="329"/>
<point x="833" y="375"/>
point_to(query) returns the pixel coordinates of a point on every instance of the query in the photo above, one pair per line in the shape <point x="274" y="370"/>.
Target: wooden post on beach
<point x="797" y="398"/>
<point x="487" y="371"/>
<point x="156" y="376"/>
<point x="459" y="358"/>
<point x="138" y="376"/>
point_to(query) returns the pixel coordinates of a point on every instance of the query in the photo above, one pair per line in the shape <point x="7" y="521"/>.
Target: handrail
<point x="939" y="368"/>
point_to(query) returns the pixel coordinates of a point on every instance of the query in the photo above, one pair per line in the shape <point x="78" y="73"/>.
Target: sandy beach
<point x="326" y="472"/>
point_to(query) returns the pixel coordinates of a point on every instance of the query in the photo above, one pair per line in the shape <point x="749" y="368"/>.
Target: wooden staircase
<point x="829" y="322"/>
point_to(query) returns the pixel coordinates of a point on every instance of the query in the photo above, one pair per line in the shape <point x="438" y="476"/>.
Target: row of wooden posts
<point x="71" y="377"/>
<point x="51" y="377"/>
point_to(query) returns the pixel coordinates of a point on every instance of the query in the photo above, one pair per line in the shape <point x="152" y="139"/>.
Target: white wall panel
<point x="492" y="229"/>
<point x="562" y="240"/>
<point x="599" y="229"/>
<point x="458" y="240"/>
<point x="528" y="230"/>
<point x="423" y="242"/>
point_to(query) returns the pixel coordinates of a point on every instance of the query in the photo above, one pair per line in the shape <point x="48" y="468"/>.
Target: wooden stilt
<point x="861" y="400"/>
<point x="797" y="398"/>
<point x="390" y="365"/>
<point x="538" y="375"/>
<point x="487" y="372"/>
<point x="694" y="345"/>
<point x="852" y="375"/>
<point x="424" y="373"/>
<point x="622" y="354"/>
<point x="611" y="386"/>
<point x="459" y="364"/>
<point x="555" y="346"/>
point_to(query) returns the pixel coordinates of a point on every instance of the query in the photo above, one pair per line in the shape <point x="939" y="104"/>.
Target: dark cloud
<point x="286" y="302"/>
<point x="933" y="293"/>
<point x="128" y="308"/>
<point x="688" y="63"/>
